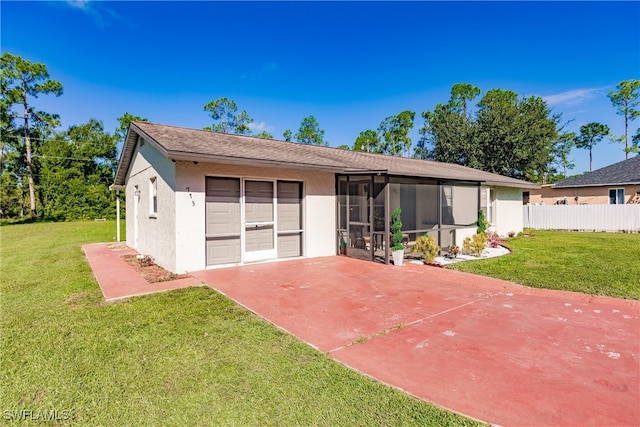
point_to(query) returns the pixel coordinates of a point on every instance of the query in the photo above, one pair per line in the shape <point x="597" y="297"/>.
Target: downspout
<point x="118" y="216"/>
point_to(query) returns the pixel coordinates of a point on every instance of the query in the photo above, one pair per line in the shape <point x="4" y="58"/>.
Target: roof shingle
<point x="621" y="173"/>
<point x="191" y="144"/>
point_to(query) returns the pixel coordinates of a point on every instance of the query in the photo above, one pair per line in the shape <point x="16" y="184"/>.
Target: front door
<point x="259" y="221"/>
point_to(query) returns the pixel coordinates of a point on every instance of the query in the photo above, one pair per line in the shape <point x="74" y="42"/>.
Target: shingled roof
<point x="622" y="173"/>
<point x="179" y="143"/>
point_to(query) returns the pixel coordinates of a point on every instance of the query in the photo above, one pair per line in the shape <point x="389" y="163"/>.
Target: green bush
<point x="396" y="230"/>
<point x="475" y="245"/>
<point x="427" y="246"/>
<point x="482" y="223"/>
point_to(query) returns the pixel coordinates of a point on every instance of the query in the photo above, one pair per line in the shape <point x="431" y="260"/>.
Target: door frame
<point x="365" y="252"/>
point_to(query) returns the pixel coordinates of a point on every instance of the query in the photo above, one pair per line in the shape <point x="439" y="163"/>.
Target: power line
<point x="41" y="139"/>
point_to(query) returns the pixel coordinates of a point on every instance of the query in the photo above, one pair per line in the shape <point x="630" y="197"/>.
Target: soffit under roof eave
<point x="194" y="157"/>
<point x="126" y="155"/>
<point x="524" y="185"/>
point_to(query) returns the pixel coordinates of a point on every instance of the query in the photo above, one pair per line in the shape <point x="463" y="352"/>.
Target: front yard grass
<point x="592" y="263"/>
<point x="187" y="357"/>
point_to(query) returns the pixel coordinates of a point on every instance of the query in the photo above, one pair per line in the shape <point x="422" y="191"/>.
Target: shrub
<point x="146" y="261"/>
<point x="482" y="223"/>
<point x="396" y="230"/>
<point x="427" y="246"/>
<point x="493" y="239"/>
<point x="454" y="251"/>
<point x="475" y="245"/>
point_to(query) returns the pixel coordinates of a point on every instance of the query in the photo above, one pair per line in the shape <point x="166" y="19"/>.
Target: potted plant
<point x="427" y="246"/>
<point x="343" y="247"/>
<point x="397" y="248"/>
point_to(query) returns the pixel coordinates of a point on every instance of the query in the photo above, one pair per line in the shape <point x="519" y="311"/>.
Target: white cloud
<point x="97" y="10"/>
<point x="78" y="4"/>
<point x="259" y="127"/>
<point x="572" y="97"/>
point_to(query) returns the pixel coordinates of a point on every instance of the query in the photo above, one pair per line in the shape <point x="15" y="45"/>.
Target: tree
<point x="450" y="134"/>
<point x="22" y="79"/>
<point x="636" y="141"/>
<point x="506" y="135"/>
<point x="626" y="100"/>
<point x="223" y="111"/>
<point x="76" y="168"/>
<point x="287" y="135"/>
<point x="395" y="132"/>
<point x="123" y="124"/>
<point x="368" y="141"/>
<point x="264" y="135"/>
<point x="566" y="141"/>
<point x="449" y="129"/>
<point x="461" y="93"/>
<point x="590" y="135"/>
<point x="343" y="147"/>
<point x="515" y="137"/>
<point x="310" y="132"/>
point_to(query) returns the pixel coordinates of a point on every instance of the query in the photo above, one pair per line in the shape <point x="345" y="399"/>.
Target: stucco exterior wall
<point x="506" y="210"/>
<point x="586" y="195"/>
<point x="147" y="233"/>
<point x="318" y="208"/>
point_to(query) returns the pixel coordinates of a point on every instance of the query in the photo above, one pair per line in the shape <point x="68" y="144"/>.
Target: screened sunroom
<point x="444" y="209"/>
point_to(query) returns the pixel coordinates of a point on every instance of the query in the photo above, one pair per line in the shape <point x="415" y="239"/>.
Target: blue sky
<point x="350" y="64"/>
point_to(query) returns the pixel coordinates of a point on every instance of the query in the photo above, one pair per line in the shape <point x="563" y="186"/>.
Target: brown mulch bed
<point x="152" y="272"/>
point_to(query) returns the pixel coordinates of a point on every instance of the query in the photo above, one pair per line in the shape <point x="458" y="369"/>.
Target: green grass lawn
<point x="592" y="263"/>
<point x="187" y="357"/>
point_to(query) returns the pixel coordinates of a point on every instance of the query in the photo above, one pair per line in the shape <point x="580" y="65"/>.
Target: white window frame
<point x="153" y="197"/>
<point x="618" y="199"/>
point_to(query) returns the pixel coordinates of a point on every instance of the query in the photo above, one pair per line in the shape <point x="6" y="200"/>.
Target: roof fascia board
<point x="129" y="149"/>
<point x="597" y="185"/>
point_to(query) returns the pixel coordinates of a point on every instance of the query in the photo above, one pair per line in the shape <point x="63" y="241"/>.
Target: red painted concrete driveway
<point x="486" y="348"/>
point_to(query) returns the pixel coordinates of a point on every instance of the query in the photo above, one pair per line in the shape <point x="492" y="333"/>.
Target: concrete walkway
<point x="486" y="348"/>
<point x="118" y="280"/>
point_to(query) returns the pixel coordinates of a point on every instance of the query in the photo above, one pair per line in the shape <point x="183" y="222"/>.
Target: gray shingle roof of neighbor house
<point x="622" y="173"/>
<point x="179" y="143"/>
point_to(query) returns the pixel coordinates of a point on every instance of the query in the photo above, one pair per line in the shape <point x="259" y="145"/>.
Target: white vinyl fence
<point x="625" y="218"/>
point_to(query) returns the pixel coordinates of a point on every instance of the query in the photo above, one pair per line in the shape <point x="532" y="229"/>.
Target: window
<point x="616" y="196"/>
<point x="153" y="197"/>
<point x="526" y="196"/>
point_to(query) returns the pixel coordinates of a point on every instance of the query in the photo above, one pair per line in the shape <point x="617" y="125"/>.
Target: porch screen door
<point x="359" y="219"/>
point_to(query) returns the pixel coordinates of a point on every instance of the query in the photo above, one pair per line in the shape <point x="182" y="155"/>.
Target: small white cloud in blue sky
<point x="572" y="97"/>
<point x="260" y="126"/>
<point x="78" y="4"/>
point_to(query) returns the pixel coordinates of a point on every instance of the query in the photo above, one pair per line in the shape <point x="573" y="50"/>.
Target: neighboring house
<point x="198" y="199"/>
<point x="616" y="184"/>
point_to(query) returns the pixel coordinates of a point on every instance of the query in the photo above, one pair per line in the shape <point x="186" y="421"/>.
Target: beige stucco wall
<point x="155" y="235"/>
<point x="319" y="208"/>
<point x="586" y="195"/>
